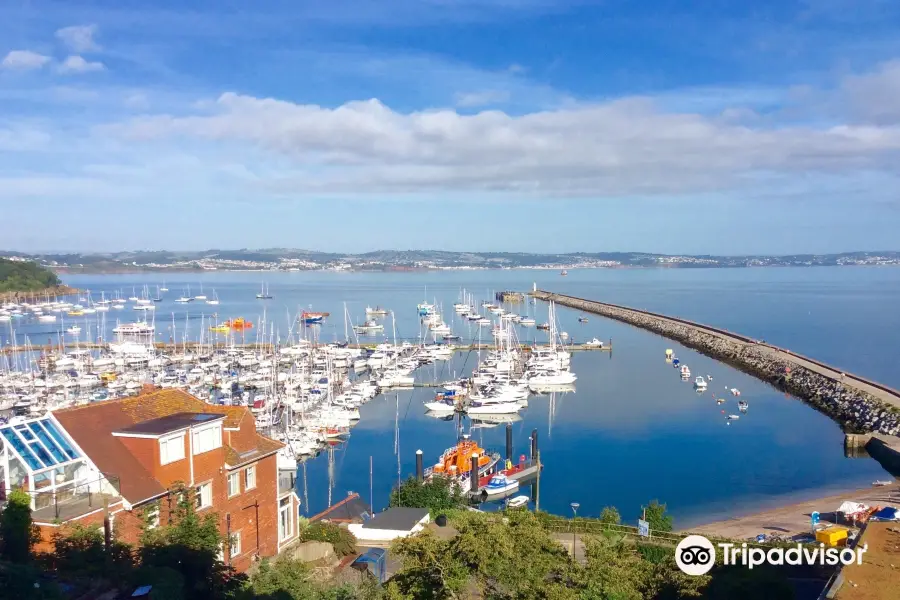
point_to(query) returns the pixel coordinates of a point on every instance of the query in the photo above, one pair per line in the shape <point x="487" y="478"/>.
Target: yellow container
<point x="832" y="536"/>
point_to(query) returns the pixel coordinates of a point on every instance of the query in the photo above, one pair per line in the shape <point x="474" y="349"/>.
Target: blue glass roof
<point x="39" y="443"/>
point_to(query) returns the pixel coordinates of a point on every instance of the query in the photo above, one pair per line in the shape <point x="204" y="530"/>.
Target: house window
<point x="203" y="496"/>
<point x="250" y="478"/>
<point x="235" y="544"/>
<point x="152" y="516"/>
<point x="285" y="519"/>
<point x="171" y="449"/>
<point x="234" y="484"/>
<point x="207" y="439"/>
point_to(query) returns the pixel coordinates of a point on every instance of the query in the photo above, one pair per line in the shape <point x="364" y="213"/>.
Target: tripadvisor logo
<point x="696" y="555"/>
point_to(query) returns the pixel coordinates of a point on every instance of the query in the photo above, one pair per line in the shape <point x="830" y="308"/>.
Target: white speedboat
<point x="700" y="383"/>
<point x="685" y="372"/>
<point x="594" y="342"/>
<point x="493" y="408"/>
<point x="526" y="322"/>
<point x="500" y="485"/>
<point x="743" y="406"/>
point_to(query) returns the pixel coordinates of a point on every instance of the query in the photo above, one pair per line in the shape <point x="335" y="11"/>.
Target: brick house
<point x="121" y="457"/>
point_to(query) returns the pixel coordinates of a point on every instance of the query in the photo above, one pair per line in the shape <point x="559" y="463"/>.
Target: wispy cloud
<point x="24" y="60"/>
<point x="77" y="64"/>
<point x="79" y="38"/>
<point x="483" y="98"/>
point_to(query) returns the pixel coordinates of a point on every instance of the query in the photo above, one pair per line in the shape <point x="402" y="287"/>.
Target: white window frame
<point x="152" y="515"/>
<point x="247" y="472"/>
<point x="198" y="493"/>
<point x="236" y="477"/>
<point x="165" y="443"/>
<point x="197" y="432"/>
<point x="289" y="509"/>
<point x="235" y="545"/>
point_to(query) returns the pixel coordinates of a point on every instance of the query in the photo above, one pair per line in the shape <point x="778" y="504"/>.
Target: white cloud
<point x="874" y="96"/>
<point x="483" y="98"/>
<point x="624" y="147"/>
<point x="77" y="64"/>
<point x="79" y="38"/>
<point x="24" y="60"/>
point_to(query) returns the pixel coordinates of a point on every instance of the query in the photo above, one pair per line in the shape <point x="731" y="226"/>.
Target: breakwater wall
<point x="857" y="404"/>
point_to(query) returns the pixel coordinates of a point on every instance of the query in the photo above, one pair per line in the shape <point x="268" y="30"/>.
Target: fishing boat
<point x="240" y="324"/>
<point x="700" y="383"/>
<point x="370" y="326"/>
<point x="518" y="501"/>
<point x="311" y="318"/>
<point x="500" y="485"/>
<point x="264" y="293"/>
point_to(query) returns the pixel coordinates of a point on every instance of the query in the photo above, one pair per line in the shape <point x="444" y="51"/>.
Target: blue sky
<point x="546" y="125"/>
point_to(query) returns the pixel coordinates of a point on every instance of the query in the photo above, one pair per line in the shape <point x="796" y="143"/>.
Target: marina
<point x="618" y="395"/>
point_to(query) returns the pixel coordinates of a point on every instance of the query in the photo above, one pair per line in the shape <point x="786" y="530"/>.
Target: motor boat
<point x="594" y="342"/>
<point x="685" y="372"/>
<point x="582" y="319"/>
<point x="742" y="406"/>
<point x="499" y="485"/>
<point x="699" y="382"/>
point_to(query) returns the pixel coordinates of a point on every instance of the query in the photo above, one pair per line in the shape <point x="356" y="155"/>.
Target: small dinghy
<point x="733" y="417"/>
<point x="518" y="501"/>
<point x="582" y="319"/>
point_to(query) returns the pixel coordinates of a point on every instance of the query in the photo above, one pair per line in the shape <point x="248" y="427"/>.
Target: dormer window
<point x="171" y="448"/>
<point x="208" y="438"/>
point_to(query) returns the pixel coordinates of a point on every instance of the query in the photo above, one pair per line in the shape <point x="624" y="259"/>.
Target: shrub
<point x="340" y="538"/>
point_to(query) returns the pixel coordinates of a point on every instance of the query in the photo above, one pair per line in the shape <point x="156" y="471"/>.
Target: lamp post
<point x="575" y="507"/>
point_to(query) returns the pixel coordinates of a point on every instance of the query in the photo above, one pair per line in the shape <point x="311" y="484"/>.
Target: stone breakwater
<point x="860" y="406"/>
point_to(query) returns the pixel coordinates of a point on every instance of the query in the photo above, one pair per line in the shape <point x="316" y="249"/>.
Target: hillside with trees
<point x="22" y="276"/>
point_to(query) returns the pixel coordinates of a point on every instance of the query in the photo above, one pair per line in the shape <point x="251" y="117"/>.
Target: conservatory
<point x="38" y="457"/>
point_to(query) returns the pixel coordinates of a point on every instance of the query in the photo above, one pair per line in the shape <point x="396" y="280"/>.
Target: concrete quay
<point x="858" y="404"/>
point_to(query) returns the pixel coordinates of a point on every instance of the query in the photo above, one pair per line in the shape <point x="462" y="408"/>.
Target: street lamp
<point x="575" y="507"/>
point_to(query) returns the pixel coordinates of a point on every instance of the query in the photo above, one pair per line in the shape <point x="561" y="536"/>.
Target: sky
<point x="712" y="126"/>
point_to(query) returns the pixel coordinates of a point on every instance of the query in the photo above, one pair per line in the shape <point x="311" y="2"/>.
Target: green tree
<point x="610" y="516"/>
<point x="18" y="533"/>
<point x="24" y="276"/>
<point x="190" y="545"/>
<point x="81" y="551"/>
<point x="655" y="514"/>
<point x="438" y="494"/>
<point x="340" y="538"/>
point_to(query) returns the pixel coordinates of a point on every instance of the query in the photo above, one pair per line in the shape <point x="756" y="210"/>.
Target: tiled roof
<point x="91" y="426"/>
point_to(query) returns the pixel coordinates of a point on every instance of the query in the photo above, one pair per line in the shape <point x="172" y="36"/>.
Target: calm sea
<point x="632" y="431"/>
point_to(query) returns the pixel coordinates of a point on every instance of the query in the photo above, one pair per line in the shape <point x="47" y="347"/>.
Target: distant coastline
<point x="283" y="259"/>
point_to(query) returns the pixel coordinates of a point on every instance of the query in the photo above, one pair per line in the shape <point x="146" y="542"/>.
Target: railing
<point x="54" y="502"/>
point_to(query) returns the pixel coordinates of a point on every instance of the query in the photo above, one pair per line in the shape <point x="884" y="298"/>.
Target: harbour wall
<point x="859" y="405"/>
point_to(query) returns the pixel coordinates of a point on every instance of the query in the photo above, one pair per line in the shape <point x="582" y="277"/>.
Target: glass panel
<point x="22" y="449"/>
<point x="17" y="473"/>
<point x="66" y="447"/>
<point x="48" y="442"/>
<point x="23" y="431"/>
<point x="42" y="454"/>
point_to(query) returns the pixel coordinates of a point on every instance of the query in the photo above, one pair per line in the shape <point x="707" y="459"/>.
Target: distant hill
<point x="293" y="259"/>
<point x="25" y="276"/>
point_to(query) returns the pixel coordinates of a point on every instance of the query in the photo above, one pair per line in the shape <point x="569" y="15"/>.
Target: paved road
<point x="566" y="540"/>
